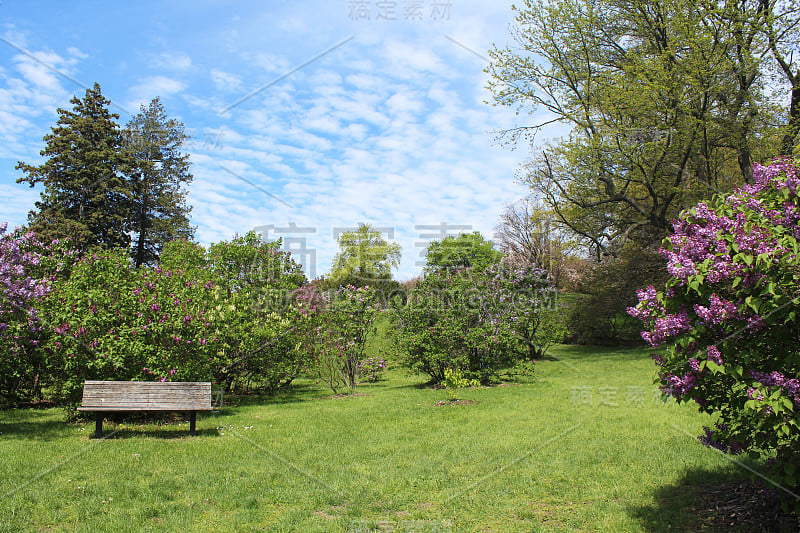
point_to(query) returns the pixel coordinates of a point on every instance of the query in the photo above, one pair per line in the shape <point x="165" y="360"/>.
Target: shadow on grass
<point x="715" y="501"/>
<point x="176" y="432"/>
<point x="597" y="353"/>
<point x="54" y="427"/>
<point x="42" y="430"/>
<point x="163" y="425"/>
<point x="422" y="385"/>
<point x="297" y="392"/>
<point x="44" y="422"/>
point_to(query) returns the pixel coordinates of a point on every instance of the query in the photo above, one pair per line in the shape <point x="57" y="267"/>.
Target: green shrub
<point x="454" y="380"/>
<point x="598" y="312"/>
<point x="199" y="315"/>
<point x="333" y="329"/>
<point x="475" y="321"/>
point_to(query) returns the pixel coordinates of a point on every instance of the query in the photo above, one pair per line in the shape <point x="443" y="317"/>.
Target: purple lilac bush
<point x="728" y="319"/>
<point x="22" y="366"/>
<point x="371" y="368"/>
<point x="333" y="329"/>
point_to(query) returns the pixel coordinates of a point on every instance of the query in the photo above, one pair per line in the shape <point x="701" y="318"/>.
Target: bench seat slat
<point x="100" y="402"/>
<point x="140" y="409"/>
<point x="146" y="396"/>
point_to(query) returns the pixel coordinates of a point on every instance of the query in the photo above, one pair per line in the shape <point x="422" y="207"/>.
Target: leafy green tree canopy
<point x="468" y="250"/>
<point x="666" y="104"/>
<point x="364" y="254"/>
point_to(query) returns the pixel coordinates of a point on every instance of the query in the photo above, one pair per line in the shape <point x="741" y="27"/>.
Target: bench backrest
<point x="146" y="396"/>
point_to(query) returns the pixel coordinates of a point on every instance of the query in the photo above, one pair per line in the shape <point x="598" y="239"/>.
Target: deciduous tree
<point x="364" y="254"/>
<point x="529" y="235"/>
<point x="782" y="26"/>
<point x="664" y="102"/>
<point x="468" y="250"/>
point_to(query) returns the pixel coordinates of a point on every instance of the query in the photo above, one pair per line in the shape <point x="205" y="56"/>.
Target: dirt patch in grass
<point x="326" y="516"/>
<point x="341" y="396"/>
<point x="741" y="506"/>
<point x="455" y="402"/>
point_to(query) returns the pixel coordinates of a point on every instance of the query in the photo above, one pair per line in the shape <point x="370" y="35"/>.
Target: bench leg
<point x="98" y="425"/>
<point x="192" y="422"/>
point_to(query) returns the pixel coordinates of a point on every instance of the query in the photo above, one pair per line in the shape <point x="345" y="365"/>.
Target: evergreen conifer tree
<point x="159" y="210"/>
<point x="87" y="196"/>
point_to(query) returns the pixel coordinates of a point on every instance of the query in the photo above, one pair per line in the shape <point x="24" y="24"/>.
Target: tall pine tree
<point x="159" y="210"/>
<point x="87" y="196"/>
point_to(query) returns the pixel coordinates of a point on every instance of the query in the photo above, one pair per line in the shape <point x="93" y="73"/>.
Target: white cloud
<point x="404" y="103"/>
<point x="172" y="61"/>
<point x="30" y="93"/>
<point x="17" y="200"/>
<point x="41" y="69"/>
<point x="76" y="53"/>
<point x="151" y="87"/>
<point x="407" y="60"/>
<point x="225" y="81"/>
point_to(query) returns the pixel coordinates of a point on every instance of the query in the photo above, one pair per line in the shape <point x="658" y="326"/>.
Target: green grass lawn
<point x="586" y="446"/>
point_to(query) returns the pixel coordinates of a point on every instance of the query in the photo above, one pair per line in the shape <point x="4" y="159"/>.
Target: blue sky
<point x="306" y="118"/>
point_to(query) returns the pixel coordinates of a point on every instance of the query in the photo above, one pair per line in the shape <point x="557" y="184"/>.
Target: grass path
<point x="587" y="446"/>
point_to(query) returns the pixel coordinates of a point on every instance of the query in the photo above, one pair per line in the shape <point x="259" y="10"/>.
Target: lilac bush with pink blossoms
<point x="110" y="321"/>
<point x="333" y="328"/>
<point x="199" y="315"/>
<point x="371" y="368"/>
<point x="728" y="318"/>
<point x="22" y="364"/>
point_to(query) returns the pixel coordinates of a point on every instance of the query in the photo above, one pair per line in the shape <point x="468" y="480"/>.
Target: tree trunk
<point x="788" y="144"/>
<point x="142" y="224"/>
<point x="746" y="163"/>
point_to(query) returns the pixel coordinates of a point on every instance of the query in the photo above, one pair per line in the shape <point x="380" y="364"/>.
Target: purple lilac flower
<point x="678" y="387"/>
<point x="755" y="323"/>
<point x="667" y="326"/>
<point x="755" y="394"/>
<point x="718" y="311"/>
<point x="714" y="355"/>
<point x="791" y="387"/>
<point x="680" y="267"/>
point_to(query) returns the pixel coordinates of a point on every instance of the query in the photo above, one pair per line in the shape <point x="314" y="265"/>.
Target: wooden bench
<point x="102" y="397"/>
